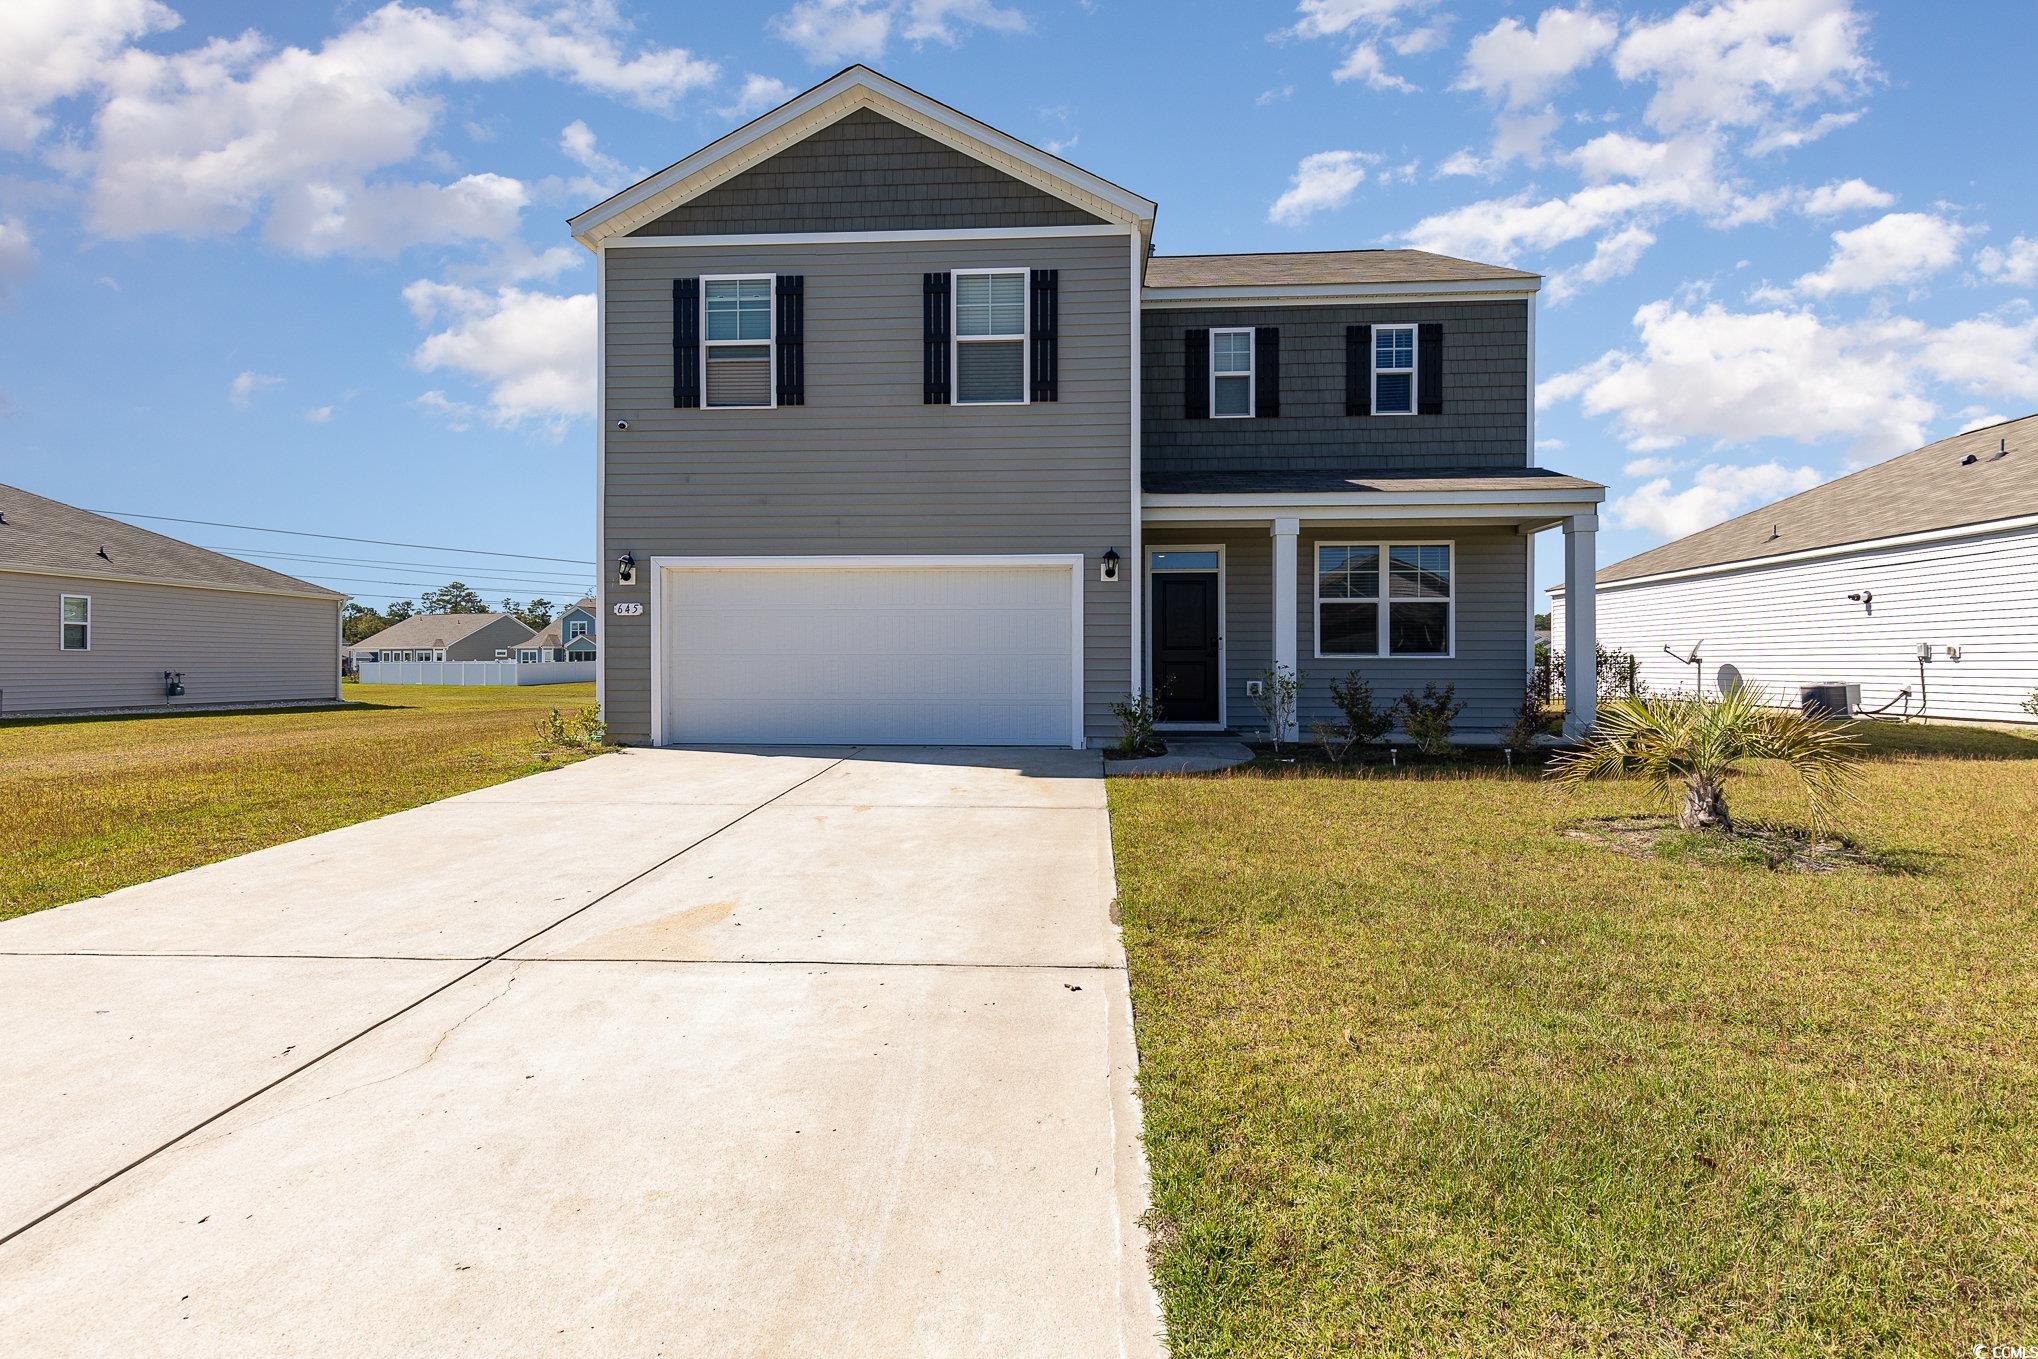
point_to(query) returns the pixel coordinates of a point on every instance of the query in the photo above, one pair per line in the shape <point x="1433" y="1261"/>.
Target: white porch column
<point x="1581" y="626"/>
<point x="1284" y="533"/>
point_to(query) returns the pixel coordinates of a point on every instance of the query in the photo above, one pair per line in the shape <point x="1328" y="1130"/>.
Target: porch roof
<point x="1317" y="481"/>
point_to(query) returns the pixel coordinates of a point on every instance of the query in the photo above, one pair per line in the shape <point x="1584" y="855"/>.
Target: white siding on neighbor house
<point x="1792" y="624"/>
<point x="232" y="646"/>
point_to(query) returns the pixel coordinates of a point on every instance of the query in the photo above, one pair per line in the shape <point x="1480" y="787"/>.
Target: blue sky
<point x="306" y="267"/>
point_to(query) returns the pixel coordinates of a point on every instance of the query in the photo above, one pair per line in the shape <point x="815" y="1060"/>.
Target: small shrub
<point x="1280" y="690"/>
<point x="1367" y="721"/>
<point x="1137" y="714"/>
<point x="585" y="730"/>
<point x="589" y="729"/>
<point x="1427" y="718"/>
<point x="1531" y="720"/>
<point x="1336" y="738"/>
<point x="2030" y="705"/>
<point x="1617" y="672"/>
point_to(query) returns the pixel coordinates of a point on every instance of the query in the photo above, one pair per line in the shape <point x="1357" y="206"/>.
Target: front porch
<point x="1406" y="579"/>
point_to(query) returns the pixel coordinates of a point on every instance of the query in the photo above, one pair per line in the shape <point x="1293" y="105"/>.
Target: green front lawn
<point x="1423" y="1075"/>
<point x="91" y="804"/>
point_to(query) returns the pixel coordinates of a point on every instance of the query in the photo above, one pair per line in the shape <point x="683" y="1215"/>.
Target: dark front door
<point x="1185" y="669"/>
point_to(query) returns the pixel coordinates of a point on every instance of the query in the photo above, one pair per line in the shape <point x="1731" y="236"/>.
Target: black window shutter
<point x="1358" y="370"/>
<point x="792" y="340"/>
<point x="1046" y="339"/>
<point x="686" y="343"/>
<point x="1196" y="373"/>
<point x="934" y="339"/>
<point x="1429" y="368"/>
<point x="1267" y="371"/>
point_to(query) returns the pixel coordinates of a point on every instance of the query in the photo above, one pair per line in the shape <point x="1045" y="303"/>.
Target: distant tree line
<point x="358" y="621"/>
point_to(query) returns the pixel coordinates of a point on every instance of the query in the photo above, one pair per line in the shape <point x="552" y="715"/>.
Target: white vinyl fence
<point x="475" y="672"/>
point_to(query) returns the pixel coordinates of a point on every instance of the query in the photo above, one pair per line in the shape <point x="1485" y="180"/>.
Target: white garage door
<point x="869" y="654"/>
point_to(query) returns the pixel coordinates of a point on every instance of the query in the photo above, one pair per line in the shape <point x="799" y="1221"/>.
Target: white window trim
<point x="580" y="623"/>
<point x="1252" y="371"/>
<point x="1025" y="337"/>
<point x="1146" y="639"/>
<point x="770" y="343"/>
<point x="1384" y="600"/>
<point x="1414" y="370"/>
<point x="62" y="624"/>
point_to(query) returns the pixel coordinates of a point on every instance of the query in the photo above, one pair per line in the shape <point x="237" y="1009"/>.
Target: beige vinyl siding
<point x="864" y="467"/>
<point x="233" y="647"/>
<point x="1790" y="624"/>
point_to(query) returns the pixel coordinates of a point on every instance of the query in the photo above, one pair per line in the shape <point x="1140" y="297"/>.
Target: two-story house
<point x="906" y="436"/>
<point x="569" y="637"/>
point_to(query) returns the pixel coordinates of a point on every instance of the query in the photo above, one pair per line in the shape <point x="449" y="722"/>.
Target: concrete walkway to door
<point x="668" y="1053"/>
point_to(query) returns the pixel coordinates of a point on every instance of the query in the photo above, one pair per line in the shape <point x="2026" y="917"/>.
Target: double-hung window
<point x="1393" y="370"/>
<point x="1231" y="372"/>
<point x="1384" y="599"/>
<point x="990" y="336"/>
<point x="737" y="341"/>
<point x="576" y="628"/>
<point x="74" y="631"/>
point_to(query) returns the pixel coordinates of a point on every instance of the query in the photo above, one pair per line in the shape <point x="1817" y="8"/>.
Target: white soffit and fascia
<point x="833" y="99"/>
<point x="1337" y="294"/>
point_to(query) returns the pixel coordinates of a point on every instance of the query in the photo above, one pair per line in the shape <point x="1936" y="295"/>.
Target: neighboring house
<point x="569" y="637"/>
<point x="95" y="613"/>
<point x="904" y="438"/>
<point x="443" y="637"/>
<point x="1919" y="574"/>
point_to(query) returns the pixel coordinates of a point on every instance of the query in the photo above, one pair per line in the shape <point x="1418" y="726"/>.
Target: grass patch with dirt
<point x="92" y="804"/>
<point x="1425" y="1073"/>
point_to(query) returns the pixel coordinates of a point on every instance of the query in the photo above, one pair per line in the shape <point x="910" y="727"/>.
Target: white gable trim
<point x="833" y="99"/>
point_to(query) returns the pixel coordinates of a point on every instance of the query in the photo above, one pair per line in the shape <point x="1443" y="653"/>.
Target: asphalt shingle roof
<point x="1934" y="487"/>
<point x="1383" y="483"/>
<point x="433" y="630"/>
<point x="49" y="535"/>
<point x="1305" y="267"/>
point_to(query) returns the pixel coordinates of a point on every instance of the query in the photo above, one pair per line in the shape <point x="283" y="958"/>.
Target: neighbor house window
<point x="1231" y="372"/>
<point x="75" y="629"/>
<point x="990" y="337"/>
<point x="502" y="653"/>
<point x="1393" y="370"/>
<point x="1383" y="599"/>
<point x="576" y="628"/>
<point x="737" y="329"/>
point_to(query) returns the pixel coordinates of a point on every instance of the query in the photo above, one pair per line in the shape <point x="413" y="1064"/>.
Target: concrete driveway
<point x="668" y="1053"/>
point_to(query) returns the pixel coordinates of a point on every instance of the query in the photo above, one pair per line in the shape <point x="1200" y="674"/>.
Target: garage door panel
<point x="955" y="654"/>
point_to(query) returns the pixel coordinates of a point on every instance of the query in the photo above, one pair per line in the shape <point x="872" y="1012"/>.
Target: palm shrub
<point x="1687" y="746"/>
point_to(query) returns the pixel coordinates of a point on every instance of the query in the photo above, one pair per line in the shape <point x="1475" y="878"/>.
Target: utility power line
<point x="428" y="585"/>
<point x="532" y="574"/>
<point x="343" y="538"/>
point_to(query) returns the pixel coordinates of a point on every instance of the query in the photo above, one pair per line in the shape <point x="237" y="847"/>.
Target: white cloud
<point x="1785" y="137"/>
<point x="1615" y="256"/>
<point x="1979" y="417"/>
<point x="319" y="415"/>
<point x="54" y="49"/>
<point x="1649" y="467"/>
<point x="535" y="351"/>
<point x="1417" y="41"/>
<point x="1464" y="162"/>
<point x="206" y="140"/>
<point x="17" y="257"/>
<point x="2017" y="265"/>
<point x="1365" y="63"/>
<point x="1738" y="62"/>
<point x="760" y="94"/>
<point x="1551" y="445"/>
<point x="246" y="385"/>
<point x="1843" y="196"/>
<point x="1521" y="65"/>
<point x="1275" y="95"/>
<point x="1725" y="377"/>
<point x="1899" y="248"/>
<point x="1718" y="491"/>
<point x="1330" y="18"/>
<point x="1323" y="181"/>
<point x="832" y="32"/>
<point x="604" y="173"/>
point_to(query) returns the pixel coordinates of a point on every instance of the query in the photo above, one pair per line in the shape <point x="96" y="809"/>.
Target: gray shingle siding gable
<point x="865" y="172"/>
<point x="864" y="467"/>
<point x="1485" y="419"/>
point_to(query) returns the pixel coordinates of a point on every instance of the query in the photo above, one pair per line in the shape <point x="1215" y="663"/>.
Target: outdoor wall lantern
<point x="626" y="569"/>
<point x="1108" y="571"/>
